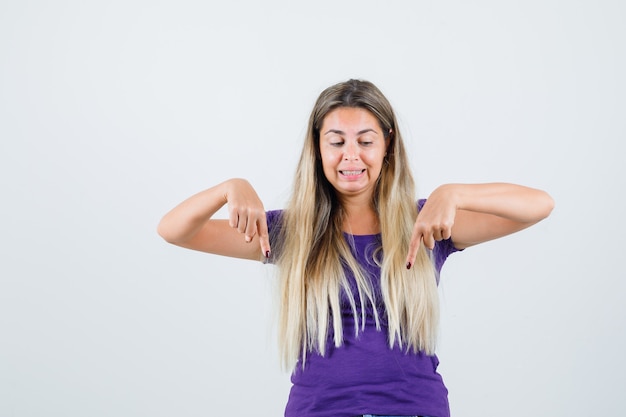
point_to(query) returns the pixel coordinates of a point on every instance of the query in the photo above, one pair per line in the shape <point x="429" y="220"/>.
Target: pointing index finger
<point x="414" y="246"/>
<point x="264" y="239"/>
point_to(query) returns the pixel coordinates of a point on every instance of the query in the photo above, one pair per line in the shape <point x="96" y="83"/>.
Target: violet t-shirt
<point x="365" y="375"/>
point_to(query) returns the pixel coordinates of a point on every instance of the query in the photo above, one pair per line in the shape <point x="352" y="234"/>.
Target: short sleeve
<point x="274" y="220"/>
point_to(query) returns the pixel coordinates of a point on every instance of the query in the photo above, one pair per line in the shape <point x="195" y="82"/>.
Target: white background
<point x="111" y="112"/>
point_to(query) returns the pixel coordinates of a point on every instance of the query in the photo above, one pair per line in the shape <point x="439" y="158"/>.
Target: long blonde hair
<point x="312" y="251"/>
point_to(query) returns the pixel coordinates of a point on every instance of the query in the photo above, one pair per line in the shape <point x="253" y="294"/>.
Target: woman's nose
<point x="351" y="152"/>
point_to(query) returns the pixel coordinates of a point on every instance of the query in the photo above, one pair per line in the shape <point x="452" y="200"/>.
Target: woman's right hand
<point x="190" y="224"/>
<point x="246" y="213"/>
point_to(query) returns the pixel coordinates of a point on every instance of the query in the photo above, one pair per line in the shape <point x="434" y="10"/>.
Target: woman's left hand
<point x="434" y="222"/>
<point x="475" y="213"/>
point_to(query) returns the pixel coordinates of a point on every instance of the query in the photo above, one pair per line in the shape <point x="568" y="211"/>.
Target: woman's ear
<point x="388" y="138"/>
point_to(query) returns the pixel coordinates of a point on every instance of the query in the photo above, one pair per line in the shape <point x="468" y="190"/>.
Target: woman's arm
<point x="191" y="226"/>
<point x="476" y="213"/>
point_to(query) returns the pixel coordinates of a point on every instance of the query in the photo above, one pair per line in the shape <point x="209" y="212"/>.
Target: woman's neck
<point x="360" y="220"/>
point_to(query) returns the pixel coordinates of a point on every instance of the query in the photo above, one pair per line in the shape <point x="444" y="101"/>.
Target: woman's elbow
<point x="547" y="205"/>
<point x="167" y="233"/>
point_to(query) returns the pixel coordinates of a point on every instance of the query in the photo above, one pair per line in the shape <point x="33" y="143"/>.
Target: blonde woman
<point x="358" y="257"/>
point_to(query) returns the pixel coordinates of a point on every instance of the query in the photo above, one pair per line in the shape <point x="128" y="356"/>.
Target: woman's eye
<point x="336" y="143"/>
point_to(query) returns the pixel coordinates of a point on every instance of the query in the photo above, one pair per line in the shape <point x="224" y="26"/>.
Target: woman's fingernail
<point x="408" y="265"/>
<point x="267" y="254"/>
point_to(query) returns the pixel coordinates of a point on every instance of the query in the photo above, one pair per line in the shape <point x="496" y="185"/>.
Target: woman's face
<point x="352" y="147"/>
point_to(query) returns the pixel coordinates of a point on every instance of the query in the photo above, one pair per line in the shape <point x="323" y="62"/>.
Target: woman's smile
<point x="352" y="174"/>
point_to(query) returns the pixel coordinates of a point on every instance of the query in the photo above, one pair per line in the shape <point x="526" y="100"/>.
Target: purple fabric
<point x="364" y="375"/>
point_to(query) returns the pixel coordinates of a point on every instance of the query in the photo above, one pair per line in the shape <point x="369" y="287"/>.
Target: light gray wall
<point x="111" y="112"/>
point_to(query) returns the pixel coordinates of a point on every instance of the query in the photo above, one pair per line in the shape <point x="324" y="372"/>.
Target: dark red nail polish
<point x="408" y="265"/>
<point x="267" y="254"/>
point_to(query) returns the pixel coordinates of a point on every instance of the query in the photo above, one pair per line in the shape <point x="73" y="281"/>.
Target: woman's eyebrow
<point x="341" y="132"/>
